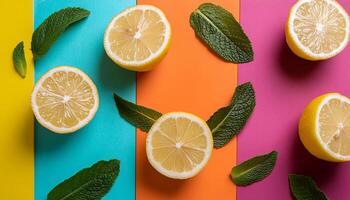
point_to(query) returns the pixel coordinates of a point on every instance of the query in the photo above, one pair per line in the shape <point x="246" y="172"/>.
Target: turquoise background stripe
<point x="58" y="157"/>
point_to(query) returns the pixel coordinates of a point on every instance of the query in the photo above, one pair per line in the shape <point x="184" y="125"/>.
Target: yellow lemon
<point x="64" y="99"/>
<point x="317" y="29"/>
<point x="138" y="38"/>
<point x="324" y="127"/>
<point x="179" y="145"/>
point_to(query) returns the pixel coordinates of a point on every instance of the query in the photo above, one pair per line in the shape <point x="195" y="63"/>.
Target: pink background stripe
<point x="284" y="85"/>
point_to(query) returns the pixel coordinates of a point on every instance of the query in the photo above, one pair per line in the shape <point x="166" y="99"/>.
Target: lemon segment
<point x="64" y="99"/>
<point x="324" y="127"/>
<point x="317" y="29"/>
<point x="179" y="145"/>
<point x="138" y="37"/>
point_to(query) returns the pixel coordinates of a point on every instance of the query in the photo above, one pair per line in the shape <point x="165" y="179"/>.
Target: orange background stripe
<point x="189" y="79"/>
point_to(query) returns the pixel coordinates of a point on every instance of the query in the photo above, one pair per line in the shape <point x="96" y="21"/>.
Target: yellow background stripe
<point x="16" y="118"/>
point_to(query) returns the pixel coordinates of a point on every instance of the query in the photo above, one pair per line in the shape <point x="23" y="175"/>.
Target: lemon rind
<point x="169" y="173"/>
<point x="147" y="64"/>
<point x="297" y="46"/>
<point x="81" y="124"/>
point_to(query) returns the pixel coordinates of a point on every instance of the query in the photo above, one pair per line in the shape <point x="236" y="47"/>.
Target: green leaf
<point x="304" y="188"/>
<point x="254" y="169"/>
<point x="222" y="33"/>
<point x="88" y="184"/>
<point x="141" y="117"/>
<point x="228" y="121"/>
<point x="19" y="60"/>
<point x="49" y="31"/>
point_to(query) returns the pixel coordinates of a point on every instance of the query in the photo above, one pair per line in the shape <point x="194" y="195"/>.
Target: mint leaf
<point x="304" y="188"/>
<point x="49" y="31"/>
<point x="141" y="117"/>
<point x="222" y="33"/>
<point x="228" y="121"/>
<point x="254" y="169"/>
<point x="88" y="184"/>
<point x="19" y="60"/>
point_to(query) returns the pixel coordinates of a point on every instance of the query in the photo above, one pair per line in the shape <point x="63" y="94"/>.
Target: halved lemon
<point x="317" y="29"/>
<point x="324" y="127"/>
<point x="179" y="145"/>
<point x="138" y="37"/>
<point x="64" y="99"/>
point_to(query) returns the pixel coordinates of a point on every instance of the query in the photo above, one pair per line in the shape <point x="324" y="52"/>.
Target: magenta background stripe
<point x="284" y="85"/>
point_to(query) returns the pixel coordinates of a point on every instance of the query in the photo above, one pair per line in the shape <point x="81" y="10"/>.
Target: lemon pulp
<point x="334" y="126"/>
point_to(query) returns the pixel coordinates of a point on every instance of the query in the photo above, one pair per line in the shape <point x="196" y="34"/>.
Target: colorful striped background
<point x="189" y="79"/>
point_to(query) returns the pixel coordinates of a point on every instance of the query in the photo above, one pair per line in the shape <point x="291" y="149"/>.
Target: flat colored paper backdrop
<point x="191" y="79"/>
<point x="16" y="118"/>
<point x="284" y="85"/>
<point x="58" y="157"/>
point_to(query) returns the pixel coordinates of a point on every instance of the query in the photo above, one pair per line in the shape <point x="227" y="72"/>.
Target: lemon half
<point x="138" y="37"/>
<point x="324" y="127"/>
<point x="64" y="99"/>
<point x="317" y="29"/>
<point x="179" y="145"/>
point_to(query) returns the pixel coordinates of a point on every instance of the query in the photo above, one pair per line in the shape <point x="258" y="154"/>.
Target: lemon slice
<point x="64" y="99"/>
<point x="317" y="29"/>
<point x="324" y="127"/>
<point x="138" y="37"/>
<point x="179" y="145"/>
